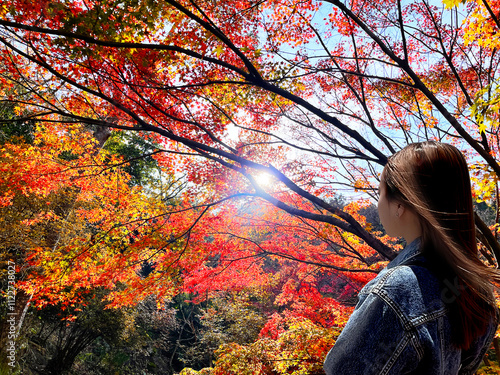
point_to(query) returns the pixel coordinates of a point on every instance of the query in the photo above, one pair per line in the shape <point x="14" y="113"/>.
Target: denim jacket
<point x="401" y="326"/>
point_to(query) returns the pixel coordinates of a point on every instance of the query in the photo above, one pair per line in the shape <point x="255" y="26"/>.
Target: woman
<point x="432" y="309"/>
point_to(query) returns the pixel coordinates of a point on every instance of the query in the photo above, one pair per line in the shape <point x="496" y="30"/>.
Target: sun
<point x="264" y="179"/>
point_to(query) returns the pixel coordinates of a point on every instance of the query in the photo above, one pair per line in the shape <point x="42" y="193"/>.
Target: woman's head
<point x="431" y="179"/>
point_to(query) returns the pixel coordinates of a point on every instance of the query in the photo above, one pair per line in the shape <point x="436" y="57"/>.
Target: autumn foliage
<point x="256" y="117"/>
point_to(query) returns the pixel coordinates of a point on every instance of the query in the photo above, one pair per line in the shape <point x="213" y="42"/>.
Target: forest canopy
<point x="198" y="148"/>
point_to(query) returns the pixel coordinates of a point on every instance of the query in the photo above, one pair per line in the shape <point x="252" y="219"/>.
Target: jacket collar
<point x="407" y="254"/>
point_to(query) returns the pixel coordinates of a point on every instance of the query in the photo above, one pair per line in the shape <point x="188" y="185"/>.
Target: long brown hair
<point x="432" y="180"/>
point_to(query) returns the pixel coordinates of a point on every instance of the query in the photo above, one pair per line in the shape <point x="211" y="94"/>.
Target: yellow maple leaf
<point x="452" y="3"/>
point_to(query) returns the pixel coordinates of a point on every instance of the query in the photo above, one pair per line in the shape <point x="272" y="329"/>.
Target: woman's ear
<point x="400" y="210"/>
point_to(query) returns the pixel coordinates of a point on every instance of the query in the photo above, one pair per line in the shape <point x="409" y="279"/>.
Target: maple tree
<point x="257" y="114"/>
